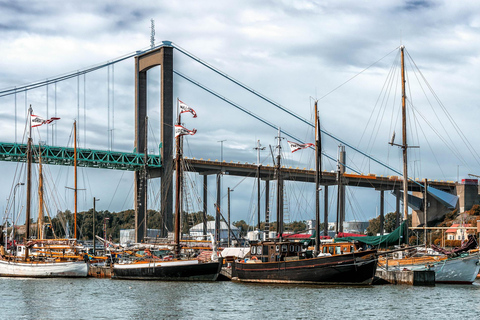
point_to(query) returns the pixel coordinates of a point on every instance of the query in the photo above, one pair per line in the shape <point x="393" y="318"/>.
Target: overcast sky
<point x="344" y="53"/>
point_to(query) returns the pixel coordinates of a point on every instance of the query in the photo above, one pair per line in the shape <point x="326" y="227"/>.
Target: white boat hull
<point x="460" y="270"/>
<point x="71" y="269"/>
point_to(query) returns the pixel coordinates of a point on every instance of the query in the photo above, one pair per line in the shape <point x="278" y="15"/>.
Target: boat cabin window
<point x="259" y="250"/>
<point x="254" y="250"/>
<point x="338" y="250"/>
<point x="277" y="248"/>
<point x="284" y="248"/>
<point x="292" y="248"/>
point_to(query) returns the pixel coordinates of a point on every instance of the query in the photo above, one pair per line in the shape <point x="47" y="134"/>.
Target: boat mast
<point x="404" y="139"/>
<point x="75" y="176"/>
<point x="317" y="180"/>
<point x="178" y="187"/>
<point x="279" y="191"/>
<point x="258" y="148"/>
<point x="29" y="181"/>
<point x="40" y="197"/>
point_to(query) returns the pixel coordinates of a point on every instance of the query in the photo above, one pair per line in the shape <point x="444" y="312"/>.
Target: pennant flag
<point x="182" y="131"/>
<point x="298" y="146"/>
<point x="185" y="108"/>
<point x="36" y="121"/>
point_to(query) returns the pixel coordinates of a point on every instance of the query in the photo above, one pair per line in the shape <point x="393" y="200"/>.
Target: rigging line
<point x="108" y="109"/>
<point x="247" y="111"/>
<point x="358" y="73"/>
<point x="72" y="74"/>
<point x="453" y="145"/>
<point x="378" y="99"/>
<point x="430" y="147"/>
<point x="349" y="196"/>
<point x="269" y="101"/>
<point x="456" y="153"/>
<point x="452" y="121"/>
<point x="113" y="106"/>
<point x="84" y="111"/>
<point x="357" y="204"/>
<point x="381" y="115"/>
<point x="130" y="192"/>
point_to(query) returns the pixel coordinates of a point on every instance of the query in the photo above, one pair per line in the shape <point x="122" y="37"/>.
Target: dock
<point x="408" y="277"/>
<point x="100" y="272"/>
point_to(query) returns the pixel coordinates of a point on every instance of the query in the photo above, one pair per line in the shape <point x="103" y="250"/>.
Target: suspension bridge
<point x="147" y="166"/>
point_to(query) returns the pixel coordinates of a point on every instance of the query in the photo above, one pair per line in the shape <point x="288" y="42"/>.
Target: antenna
<point x="152" y="34"/>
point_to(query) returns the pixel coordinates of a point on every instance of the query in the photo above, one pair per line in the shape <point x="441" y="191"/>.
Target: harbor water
<point x="93" y="298"/>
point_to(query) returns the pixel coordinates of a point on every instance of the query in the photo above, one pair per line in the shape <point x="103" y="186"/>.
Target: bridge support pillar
<point x="163" y="57"/>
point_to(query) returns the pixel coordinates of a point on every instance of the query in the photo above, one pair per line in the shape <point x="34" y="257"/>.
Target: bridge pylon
<point x="163" y="57"/>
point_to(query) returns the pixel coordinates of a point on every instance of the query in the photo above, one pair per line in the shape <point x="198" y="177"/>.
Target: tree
<point x="373" y="226"/>
<point x="475" y="211"/>
<point x="243" y="226"/>
<point x="390" y="222"/>
<point x="297" y="226"/>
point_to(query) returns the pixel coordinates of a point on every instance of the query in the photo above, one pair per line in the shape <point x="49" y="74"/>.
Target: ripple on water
<point x="110" y="299"/>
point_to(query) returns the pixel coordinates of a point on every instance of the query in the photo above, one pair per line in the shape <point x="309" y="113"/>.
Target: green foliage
<point x="451" y="215"/>
<point x="475" y="211"/>
<point x="389" y="224"/>
<point x="297" y="226"/>
<point x="412" y="240"/>
<point x="243" y="226"/>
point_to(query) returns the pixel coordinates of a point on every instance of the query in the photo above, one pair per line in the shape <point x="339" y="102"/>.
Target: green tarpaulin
<point x="381" y="241"/>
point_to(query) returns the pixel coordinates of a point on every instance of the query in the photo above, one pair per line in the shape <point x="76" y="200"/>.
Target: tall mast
<point x="258" y="148"/>
<point x="404" y="140"/>
<point x="29" y="181"/>
<point x="178" y="186"/>
<point x="40" y="197"/>
<point x="317" y="180"/>
<point x="279" y="191"/>
<point x="75" y="176"/>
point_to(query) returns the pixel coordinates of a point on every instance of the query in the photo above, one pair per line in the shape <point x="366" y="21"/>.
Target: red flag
<point x="298" y="146"/>
<point x="36" y="121"/>
<point x="182" y="131"/>
<point x="184" y="108"/>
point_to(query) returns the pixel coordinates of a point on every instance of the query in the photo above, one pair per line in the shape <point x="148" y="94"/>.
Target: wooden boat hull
<point x="188" y="270"/>
<point x="349" y="268"/>
<point x="70" y="269"/>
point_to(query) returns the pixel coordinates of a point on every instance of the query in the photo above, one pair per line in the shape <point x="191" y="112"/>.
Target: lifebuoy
<point x="254" y="258"/>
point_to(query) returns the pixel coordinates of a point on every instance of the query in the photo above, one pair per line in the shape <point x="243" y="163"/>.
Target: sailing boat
<point x="283" y="261"/>
<point x="37" y="258"/>
<point x="177" y="269"/>
<point x="449" y="268"/>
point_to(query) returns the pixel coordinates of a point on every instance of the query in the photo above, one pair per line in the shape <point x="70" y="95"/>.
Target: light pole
<point x="93" y="222"/>
<point x="221" y="149"/>
<point x="13" y="218"/>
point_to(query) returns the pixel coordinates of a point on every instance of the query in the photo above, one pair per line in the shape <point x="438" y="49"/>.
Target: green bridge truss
<point x="85" y="157"/>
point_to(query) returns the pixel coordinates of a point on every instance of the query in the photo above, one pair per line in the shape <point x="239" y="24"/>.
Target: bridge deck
<point x="303" y="175"/>
<point x="85" y="157"/>
<point x="135" y="161"/>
